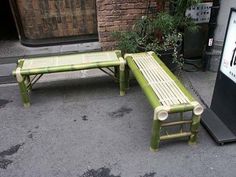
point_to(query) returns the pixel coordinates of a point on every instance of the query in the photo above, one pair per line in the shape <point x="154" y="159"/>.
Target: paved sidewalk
<point x="11" y="51"/>
<point x="201" y="84"/>
<point x="83" y="128"/>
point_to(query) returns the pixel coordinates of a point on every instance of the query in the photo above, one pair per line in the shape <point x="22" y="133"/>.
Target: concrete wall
<point x="223" y="19"/>
<point x="220" y="32"/>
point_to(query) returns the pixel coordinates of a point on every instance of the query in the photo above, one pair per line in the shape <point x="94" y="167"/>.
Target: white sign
<point x="228" y="63"/>
<point x="200" y="13"/>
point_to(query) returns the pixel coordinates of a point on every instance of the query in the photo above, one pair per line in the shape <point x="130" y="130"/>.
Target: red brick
<point x="118" y="15"/>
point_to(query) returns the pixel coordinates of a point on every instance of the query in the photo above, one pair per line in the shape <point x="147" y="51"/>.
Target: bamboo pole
<point x="174" y="136"/>
<point x="194" y="129"/>
<point x="24" y="94"/>
<point x="164" y="67"/>
<point x="167" y="124"/>
<point x="181" y="108"/>
<point x="116" y="67"/>
<point x="68" y="68"/>
<point x="150" y="94"/>
<point x="35" y="79"/>
<point x="118" y="53"/>
<point x="122" y="76"/>
<point x="155" y="137"/>
<point x="152" y="98"/>
<point x="116" y="72"/>
<point x="22" y="85"/>
<point x="127" y="74"/>
<point x="122" y="83"/>
<point x="28" y="83"/>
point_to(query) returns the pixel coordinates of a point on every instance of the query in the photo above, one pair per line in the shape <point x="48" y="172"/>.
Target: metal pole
<point x="211" y="30"/>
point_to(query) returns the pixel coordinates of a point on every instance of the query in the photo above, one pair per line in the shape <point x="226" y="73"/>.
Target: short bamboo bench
<point x="166" y="95"/>
<point x="29" y="71"/>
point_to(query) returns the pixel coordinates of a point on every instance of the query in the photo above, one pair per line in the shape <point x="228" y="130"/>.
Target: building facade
<point x="77" y="19"/>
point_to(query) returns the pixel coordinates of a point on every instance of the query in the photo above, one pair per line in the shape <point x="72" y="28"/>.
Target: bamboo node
<point x="117" y="51"/>
<point x="19" y="77"/>
<point x="198" y="110"/>
<point x="151" y="52"/>
<point x="20" y="60"/>
<point x="153" y="150"/>
<point x="128" y="55"/>
<point x="194" y="103"/>
<point x="161" y="113"/>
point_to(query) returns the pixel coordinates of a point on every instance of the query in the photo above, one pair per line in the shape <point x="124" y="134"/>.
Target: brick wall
<point x="118" y="15"/>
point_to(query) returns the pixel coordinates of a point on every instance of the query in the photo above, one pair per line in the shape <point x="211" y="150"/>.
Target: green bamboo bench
<point x="166" y="95"/>
<point x="29" y="71"/>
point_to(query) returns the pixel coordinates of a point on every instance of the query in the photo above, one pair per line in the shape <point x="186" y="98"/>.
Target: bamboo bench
<point x="29" y="71"/>
<point x="166" y="95"/>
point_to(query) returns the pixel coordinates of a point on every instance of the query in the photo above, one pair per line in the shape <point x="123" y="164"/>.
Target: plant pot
<point x="166" y="57"/>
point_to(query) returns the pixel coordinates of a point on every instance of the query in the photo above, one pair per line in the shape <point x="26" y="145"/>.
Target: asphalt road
<point x="83" y="128"/>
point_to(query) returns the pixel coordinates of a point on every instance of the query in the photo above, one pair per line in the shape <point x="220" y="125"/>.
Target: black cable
<point x="196" y="92"/>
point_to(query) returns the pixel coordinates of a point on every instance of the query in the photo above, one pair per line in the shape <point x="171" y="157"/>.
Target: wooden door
<point x="42" y="19"/>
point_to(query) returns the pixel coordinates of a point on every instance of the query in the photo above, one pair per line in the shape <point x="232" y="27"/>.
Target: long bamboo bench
<point x="29" y="71"/>
<point x="166" y="95"/>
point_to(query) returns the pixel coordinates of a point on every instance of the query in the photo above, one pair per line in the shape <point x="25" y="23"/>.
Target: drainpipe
<point x="211" y="30"/>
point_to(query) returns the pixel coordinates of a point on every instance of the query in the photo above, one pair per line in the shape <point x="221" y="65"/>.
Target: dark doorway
<point x="8" y="28"/>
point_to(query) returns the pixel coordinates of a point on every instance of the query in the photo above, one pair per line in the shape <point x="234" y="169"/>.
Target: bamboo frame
<point x="168" y="124"/>
<point x="112" y="75"/>
<point x="175" y="135"/>
<point x="22" y="82"/>
<point x="162" y="84"/>
<point x="67" y="68"/>
<point x="25" y="84"/>
<point x="179" y="84"/>
<point x="154" y="95"/>
<point x="34" y="80"/>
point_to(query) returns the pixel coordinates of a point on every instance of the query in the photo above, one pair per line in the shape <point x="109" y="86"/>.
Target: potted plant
<point x="161" y="33"/>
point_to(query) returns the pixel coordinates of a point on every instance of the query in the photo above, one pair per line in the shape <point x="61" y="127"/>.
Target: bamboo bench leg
<point x="24" y="93"/>
<point x="196" y="117"/>
<point x="122" y="77"/>
<point x="194" y="129"/>
<point x="22" y="82"/>
<point x="155" y="138"/>
<point x="127" y="73"/>
<point x="116" y="71"/>
<point x="122" y="83"/>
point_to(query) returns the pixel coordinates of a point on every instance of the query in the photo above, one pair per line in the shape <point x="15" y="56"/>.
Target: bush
<point x="159" y="33"/>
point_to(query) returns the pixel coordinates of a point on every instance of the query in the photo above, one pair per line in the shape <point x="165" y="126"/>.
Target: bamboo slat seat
<point x="164" y="87"/>
<point x="69" y="60"/>
<point x="166" y="95"/>
<point x="63" y="63"/>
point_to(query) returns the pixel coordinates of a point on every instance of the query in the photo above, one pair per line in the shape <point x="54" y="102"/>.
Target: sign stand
<point x="220" y="119"/>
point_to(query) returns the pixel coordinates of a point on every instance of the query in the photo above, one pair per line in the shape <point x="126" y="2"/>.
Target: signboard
<point x="200" y="13"/>
<point x="220" y="119"/>
<point x="228" y="63"/>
